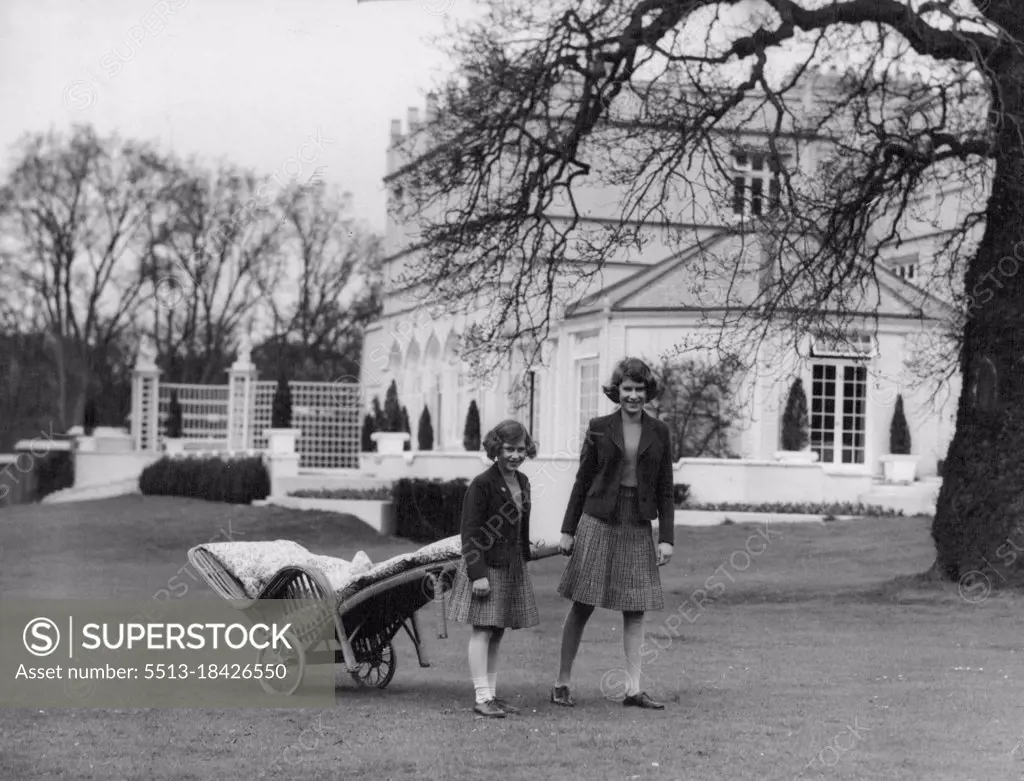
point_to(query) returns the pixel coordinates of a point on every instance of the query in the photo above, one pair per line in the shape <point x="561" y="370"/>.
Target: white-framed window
<point x="589" y="389"/>
<point x="839" y="412"/>
<point x="756" y="183"/>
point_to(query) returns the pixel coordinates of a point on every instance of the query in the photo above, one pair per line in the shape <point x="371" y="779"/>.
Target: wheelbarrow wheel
<point x="292" y="659"/>
<point x="378" y="670"/>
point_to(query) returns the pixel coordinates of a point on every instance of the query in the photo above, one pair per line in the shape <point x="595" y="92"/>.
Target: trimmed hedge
<point x="30" y="477"/>
<point x="235" y="481"/>
<point x="54" y="472"/>
<point x="428" y="510"/>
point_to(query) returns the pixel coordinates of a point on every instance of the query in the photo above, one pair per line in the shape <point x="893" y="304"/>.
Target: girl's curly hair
<point x="506" y="432"/>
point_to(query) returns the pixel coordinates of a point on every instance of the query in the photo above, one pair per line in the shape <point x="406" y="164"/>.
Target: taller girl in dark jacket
<point x="623" y="482"/>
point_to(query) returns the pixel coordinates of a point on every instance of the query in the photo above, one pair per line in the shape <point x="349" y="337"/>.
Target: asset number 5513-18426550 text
<point x="215" y="671"/>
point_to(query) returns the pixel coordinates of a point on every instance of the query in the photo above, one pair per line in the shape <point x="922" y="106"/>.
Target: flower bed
<point x="829" y="509"/>
<point x="379" y="494"/>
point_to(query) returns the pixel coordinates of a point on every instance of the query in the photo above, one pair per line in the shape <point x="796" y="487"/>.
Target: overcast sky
<point x="247" y="80"/>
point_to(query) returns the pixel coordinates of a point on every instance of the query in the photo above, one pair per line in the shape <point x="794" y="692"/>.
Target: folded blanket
<point x="253" y="564"/>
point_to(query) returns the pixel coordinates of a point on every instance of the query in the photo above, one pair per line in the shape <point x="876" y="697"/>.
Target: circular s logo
<point x="615" y="685"/>
<point x="41" y="637"/>
<point x="974" y="587"/>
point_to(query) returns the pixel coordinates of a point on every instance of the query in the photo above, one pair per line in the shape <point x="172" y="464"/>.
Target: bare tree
<point x="213" y="250"/>
<point x="323" y="291"/>
<point x="74" y="212"/>
<point x="657" y="98"/>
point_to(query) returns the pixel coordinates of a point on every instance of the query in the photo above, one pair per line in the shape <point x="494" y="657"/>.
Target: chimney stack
<point x="431" y="107"/>
<point x="414" y="119"/>
<point x="396" y="131"/>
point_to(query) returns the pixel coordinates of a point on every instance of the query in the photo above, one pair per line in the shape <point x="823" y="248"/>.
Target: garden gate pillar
<point x="146" y="400"/>
<point x="241" y="396"/>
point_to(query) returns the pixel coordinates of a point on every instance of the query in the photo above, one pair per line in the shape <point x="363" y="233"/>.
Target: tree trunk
<point x="979" y="525"/>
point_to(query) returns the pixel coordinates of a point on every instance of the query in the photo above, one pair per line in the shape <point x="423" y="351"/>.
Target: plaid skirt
<point x="614" y="564"/>
<point x="510" y="605"/>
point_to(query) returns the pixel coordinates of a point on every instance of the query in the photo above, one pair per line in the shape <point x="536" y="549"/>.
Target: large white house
<point x="654" y="299"/>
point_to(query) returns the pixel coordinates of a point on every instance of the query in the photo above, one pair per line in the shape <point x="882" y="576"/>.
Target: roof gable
<point x="726" y="270"/>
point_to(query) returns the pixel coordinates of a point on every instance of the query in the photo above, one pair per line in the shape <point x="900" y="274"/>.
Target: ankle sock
<point x="483" y="689"/>
<point x="492" y="684"/>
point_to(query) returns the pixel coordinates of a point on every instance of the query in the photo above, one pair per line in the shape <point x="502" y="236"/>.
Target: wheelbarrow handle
<point x="543" y="551"/>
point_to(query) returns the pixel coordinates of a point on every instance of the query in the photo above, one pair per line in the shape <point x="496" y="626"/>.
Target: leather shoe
<point x="489" y="709"/>
<point x="560" y="696"/>
<point x="642" y="700"/>
<point x="505" y="705"/>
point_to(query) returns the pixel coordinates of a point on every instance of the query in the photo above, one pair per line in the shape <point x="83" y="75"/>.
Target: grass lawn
<point x="821" y="657"/>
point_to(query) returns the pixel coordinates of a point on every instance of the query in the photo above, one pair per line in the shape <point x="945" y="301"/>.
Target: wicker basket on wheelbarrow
<point x="356" y="631"/>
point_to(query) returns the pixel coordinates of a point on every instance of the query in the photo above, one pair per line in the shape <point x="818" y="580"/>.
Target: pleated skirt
<point x="614" y="564"/>
<point x="511" y="604"/>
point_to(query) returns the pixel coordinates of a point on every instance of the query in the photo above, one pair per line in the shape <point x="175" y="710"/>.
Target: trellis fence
<point x="234" y="416"/>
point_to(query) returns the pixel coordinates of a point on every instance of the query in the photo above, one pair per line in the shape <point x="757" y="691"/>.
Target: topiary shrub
<point x="899" y="432"/>
<point x="281" y="413"/>
<point x="235" y="481"/>
<point x="425" y="431"/>
<point x="175" y="416"/>
<point x="794" y="419"/>
<point x="368" y="445"/>
<point x="471" y="433"/>
<point x="392" y="421"/>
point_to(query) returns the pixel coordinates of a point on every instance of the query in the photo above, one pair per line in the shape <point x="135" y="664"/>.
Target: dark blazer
<point x="489" y="533"/>
<point x="601" y="460"/>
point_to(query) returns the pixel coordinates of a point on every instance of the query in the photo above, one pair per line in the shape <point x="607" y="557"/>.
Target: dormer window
<point x="756" y="185"/>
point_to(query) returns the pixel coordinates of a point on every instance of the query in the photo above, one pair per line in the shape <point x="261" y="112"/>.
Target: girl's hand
<point x="565" y="544"/>
<point x="664" y="553"/>
<point x="481" y="588"/>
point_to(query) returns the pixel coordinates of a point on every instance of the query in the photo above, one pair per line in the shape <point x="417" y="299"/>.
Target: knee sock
<point x="483" y="689"/>
<point x="479" y="643"/>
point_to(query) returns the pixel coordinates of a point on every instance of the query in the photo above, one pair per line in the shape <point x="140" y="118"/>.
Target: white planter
<point x="390" y="443"/>
<point x="281" y="441"/>
<point x="898" y="468"/>
<point x="796" y="456"/>
<point x="174" y="446"/>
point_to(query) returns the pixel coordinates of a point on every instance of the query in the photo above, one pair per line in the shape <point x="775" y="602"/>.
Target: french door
<point x="839" y="412"/>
